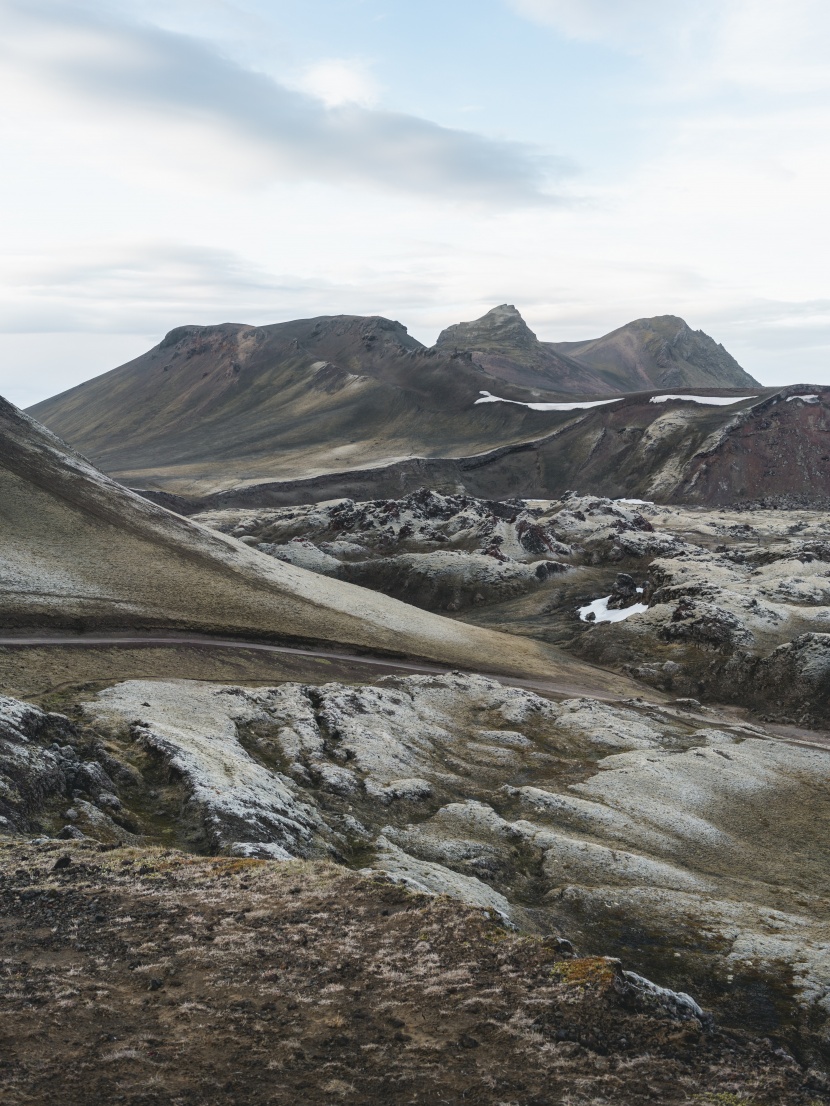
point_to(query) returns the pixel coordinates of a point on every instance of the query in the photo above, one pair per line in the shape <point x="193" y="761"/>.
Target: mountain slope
<point x="662" y="352"/>
<point x="773" y="444"/>
<point x="220" y="406"/>
<point x="79" y="551"/>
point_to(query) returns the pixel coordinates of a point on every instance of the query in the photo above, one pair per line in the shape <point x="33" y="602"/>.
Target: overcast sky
<point x="592" y="161"/>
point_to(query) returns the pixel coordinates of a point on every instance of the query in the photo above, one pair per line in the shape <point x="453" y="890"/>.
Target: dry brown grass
<point x="153" y="977"/>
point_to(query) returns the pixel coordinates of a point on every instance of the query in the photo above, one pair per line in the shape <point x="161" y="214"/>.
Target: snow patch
<point x="804" y="399"/>
<point x="487" y="397"/>
<point x="719" y="401"/>
<point x="599" y="608"/>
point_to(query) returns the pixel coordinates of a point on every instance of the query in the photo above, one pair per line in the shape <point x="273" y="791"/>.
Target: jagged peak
<point x="500" y="324"/>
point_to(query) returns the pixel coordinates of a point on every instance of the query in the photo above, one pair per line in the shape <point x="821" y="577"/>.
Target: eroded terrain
<point x="738" y="601"/>
<point x="692" y="845"/>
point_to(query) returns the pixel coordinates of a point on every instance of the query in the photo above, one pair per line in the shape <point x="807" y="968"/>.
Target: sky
<point x="590" y="161"/>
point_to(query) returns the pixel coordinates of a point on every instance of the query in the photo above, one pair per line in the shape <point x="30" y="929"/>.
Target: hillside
<point x="221" y="406"/>
<point x="663" y="352"/>
<point x="81" y="552"/>
<point x="718" y="450"/>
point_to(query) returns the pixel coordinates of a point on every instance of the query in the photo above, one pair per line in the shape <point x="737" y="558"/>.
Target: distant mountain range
<point x="663" y="352"/>
<point x="217" y="407"/>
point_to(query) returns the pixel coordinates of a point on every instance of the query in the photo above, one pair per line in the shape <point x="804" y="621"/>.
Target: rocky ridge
<point x="664" y="352"/>
<point x="505" y="346"/>
<point x="660" y="352"/>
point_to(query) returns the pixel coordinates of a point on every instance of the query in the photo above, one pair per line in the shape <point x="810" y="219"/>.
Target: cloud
<point x="773" y="45"/>
<point x="150" y="287"/>
<point x="337" y="81"/>
<point x="181" y="80"/>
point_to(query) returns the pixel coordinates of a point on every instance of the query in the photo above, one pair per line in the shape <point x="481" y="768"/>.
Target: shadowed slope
<point x="79" y="551"/>
<point x="672" y="451"/>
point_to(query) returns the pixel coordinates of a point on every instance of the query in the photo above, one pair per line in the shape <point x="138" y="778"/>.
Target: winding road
<point x="791" y="734"/>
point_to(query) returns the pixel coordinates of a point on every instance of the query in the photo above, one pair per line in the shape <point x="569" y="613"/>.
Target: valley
<point x="465" y="708"/>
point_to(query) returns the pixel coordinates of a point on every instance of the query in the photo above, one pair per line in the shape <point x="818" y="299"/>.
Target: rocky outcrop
<point x="439" y="552"/>
<point x="795" y="677"/>
<point x="505" y="346"/>
<point x="53" y="775"/>
<point x="450" y="580"/>
<point x="36" y="764"/>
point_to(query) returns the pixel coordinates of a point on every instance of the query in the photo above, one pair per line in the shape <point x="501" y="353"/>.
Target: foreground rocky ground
<point x="738" y="601"/>
<point x="688" y="843"/>
<point x="144" y="976"/>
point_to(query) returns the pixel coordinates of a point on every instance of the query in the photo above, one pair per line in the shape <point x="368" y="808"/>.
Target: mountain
<point x="221" y="408"/>
<point x="228" y="405"/>
<point x="661" y="352"/>
<point x="81" y="552"/>
<point x="505" y="346"/>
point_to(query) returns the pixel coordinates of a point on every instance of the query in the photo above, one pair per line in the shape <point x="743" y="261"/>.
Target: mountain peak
<point x="501" y="325"/>
<point x="662" y="351"/>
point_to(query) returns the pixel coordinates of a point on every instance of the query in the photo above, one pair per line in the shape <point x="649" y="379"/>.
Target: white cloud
<point x="144" y="79"/>
<point x="766" y="45"/>
<point x="155" y="182"/>
<point x="338" y="81"/>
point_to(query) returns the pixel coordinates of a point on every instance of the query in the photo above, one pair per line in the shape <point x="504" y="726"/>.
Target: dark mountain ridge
<point x="663" y="352"/>
<point x="505" y="346"/>
<point x="771" y="446"/>
<point x="212" y="408"/>
<point x="232" y="402"/>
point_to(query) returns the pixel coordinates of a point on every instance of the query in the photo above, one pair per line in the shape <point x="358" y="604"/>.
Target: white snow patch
<point x="639" y="502"/>
<point x="599" y="608"/>
<point x="804" y="399"/>
<point x="487" y="397"/>
<point x="719" y="401"/>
